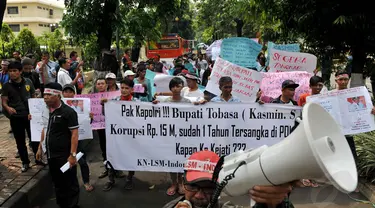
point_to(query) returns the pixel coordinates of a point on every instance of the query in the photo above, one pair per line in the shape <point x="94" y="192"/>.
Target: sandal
<point x="314" y="184"/>
<point x="306" y="182"/>
<point x="88" y="187"/>
<point x="171" y="191"/>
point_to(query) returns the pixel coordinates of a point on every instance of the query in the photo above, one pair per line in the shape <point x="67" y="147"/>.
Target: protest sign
<point x="138" y="88"/>
<point x="240" y="51"/>
<point x="271" y="83"/>
<point x="162" y="82"/>
<point x="149" y="137"/>
<point x="283" y="61"/>
<point x="351" y="109"/>
<point x="96" y="107"/>
<point x="282" y="47"/>
<point x="245" y="81"/>
<point x="39" y="114"/>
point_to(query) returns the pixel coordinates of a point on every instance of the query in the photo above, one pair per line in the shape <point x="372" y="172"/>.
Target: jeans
<point x="85" y="171"/>
<point x="19" y="125"/>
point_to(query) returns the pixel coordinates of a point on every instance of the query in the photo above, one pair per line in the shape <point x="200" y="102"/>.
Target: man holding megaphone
<point x="200" y="187"/>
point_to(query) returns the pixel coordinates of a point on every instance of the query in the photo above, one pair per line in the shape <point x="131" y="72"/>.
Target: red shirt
<point x="126" y="98"/>
<point x="302" y="99"/>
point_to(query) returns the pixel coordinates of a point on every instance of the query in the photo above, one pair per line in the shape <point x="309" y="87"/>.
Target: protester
<point x="126" y="61"/>
<point x="200" y="187"/>
<point x="28" y="72"/>
<point x="17" y="56"/>
<point x="61" y="141"/>
<point x="288" y="88"/>
<point x="59" y="54"/>
<point x="69" y="91"/>
<point x="175" y="85"/>
<point x="129" y="74"/>
<point x="46" y="70"/>
<point x="126" y="95"/>
<point x="14" y="98"/>
<point x="141" y="79"/>
<point x="111" y="82"/>
<point x="63" y="76"/>
<point x="225" y="85"/>
<point x="316" y="85"/>
<point x="76" y="70"/>
<point x="4" y="76"/>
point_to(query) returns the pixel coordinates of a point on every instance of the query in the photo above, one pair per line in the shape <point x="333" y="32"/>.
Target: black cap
<point x="289" y="84"/>
<point x="53" y="85"/>
<point x="69" y="86"/>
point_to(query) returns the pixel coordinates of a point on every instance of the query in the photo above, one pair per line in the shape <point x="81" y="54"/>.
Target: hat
<point x="129" y="73"/>
<point x="53" y="88"/>
<point x="200" y="166"/>
<point x="192" y="76"/>
<point x="69" y="86"/>
<point x="289" y="84"/>
<point x="110" y="76"/>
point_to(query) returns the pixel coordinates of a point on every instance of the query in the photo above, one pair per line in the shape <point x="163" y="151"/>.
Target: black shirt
<point x="34" y="77"/>
<point x="18" y="94"/>
<point x="279" y="101"/>
<point x="58" y="132"/>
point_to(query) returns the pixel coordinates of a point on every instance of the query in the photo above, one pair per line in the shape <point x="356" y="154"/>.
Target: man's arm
<point x="74" y="140"/>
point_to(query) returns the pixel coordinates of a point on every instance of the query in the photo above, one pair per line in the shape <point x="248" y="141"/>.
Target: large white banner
<point x="39" y="114"/>
<point x="285" y="61"/>
<point x="246" y="81"/>
<point x="148" y="137"/>
<point x="351" y="108"/>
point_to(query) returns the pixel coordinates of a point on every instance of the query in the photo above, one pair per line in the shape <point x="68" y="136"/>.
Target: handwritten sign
<point x="240" y="51"/>
<point x="282" y="47"/>
<point x="282" y="61"/>
<point x="271" y="83"/>
<point x="138" y="88"/>
<point x="96" y="108"/>
<point x="246" y="82"/>
<point x="351" y="109"/>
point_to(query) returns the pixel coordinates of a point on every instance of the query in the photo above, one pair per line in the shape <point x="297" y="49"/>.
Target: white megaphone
<point x="316" y="150"/>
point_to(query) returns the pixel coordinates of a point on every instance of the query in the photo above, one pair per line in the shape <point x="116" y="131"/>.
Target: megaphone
<point x="316" y="150"/>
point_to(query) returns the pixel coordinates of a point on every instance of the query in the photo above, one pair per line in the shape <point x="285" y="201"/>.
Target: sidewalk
<point x="19" y="189"/>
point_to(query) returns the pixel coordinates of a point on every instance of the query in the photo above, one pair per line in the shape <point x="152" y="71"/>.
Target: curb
<point x="33" y="193"/>
<point x="367" y="190"/>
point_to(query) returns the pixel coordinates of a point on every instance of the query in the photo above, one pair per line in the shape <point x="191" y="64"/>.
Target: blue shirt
<point x="219" y="99"/>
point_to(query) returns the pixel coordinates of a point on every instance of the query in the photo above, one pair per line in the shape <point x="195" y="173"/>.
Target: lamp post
<point x="177" y="20"/>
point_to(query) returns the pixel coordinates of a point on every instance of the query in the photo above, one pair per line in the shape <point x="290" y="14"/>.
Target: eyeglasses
<point x="195" y="188"/>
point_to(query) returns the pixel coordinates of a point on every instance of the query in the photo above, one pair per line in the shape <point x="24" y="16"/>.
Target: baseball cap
<point x="289" y="84"/>
<point x="200" y="166"/>
<point x="110" y="76"/>
<point x="129" y="73"/>
<point x="69" y="86"/>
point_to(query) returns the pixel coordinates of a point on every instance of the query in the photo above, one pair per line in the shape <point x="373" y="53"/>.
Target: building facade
<point x="38" y="16"/>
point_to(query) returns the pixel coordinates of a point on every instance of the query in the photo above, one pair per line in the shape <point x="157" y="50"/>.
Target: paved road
<point x="326" y="197"/>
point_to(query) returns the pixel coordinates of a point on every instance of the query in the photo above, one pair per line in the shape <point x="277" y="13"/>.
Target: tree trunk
<point x="3" y="5"/>
<point x="359" y="59"/>
<point x="239" y="26"/>
<point x="136" y="51"/>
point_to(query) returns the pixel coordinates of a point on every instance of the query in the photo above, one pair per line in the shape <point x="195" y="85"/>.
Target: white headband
<point x="52" y="91"/>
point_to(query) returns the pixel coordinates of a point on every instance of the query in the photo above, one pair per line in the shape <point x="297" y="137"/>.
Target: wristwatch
<point x="73" y="154"/>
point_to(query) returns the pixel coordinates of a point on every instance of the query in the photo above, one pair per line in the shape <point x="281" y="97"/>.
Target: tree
<point x="7" y="40"/>
<point x="335" y="24"/>
<point x="27" y="41"/>
<point x="52" y="41"/>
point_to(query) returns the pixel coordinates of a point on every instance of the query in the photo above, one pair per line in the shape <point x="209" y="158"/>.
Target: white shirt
<point x="63" y="77"/>
<point x="48" y="74"/>
<point x="185" y="92"/>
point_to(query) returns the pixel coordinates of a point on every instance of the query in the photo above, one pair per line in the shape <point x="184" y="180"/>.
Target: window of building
<point x="24" y="7"/>
<point x="25" y="25"/>
<point x="12" y="10"/>
<point x="15" y="27"/>
<point x="40" y="25"/>
<point x="45" y="25"/>
<point x="39" y="7"/>
<point x="51" y="12"/>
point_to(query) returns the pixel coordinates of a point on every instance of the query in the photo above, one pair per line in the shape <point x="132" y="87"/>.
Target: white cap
<point x="129" y="73"/>
<point x="110" y="76"/>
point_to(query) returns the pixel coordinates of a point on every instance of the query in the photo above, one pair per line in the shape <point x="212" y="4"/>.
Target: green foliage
<point x="365" y="144"/>
<point x="27" y="42"/>
<point x="8" y="41"/>
<point x="52" y="41"/>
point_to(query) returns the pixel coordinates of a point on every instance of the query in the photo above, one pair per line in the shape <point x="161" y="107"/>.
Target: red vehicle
<point x="169" y="46"/>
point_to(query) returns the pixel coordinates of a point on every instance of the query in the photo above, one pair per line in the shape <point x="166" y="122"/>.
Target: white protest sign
<point x="246" y="82"/>
<point x="149" y="137"/>
<point x="39" y="114"/>
<point x="351" y="109"/>
<point x="284" y="61"/>
<point x="161" y="82"/>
